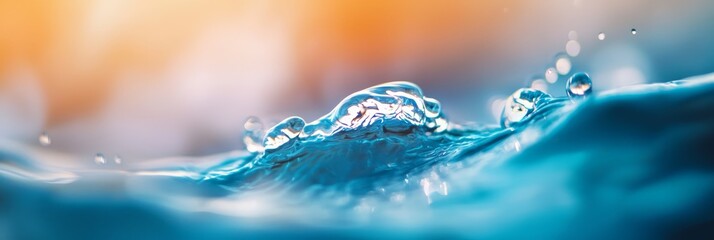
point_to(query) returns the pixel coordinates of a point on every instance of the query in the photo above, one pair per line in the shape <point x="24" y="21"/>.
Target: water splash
<point x="385" y="160"/>
<point x="389" y="107"/>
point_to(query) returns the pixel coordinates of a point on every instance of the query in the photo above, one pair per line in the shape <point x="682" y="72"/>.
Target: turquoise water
<point x="386" y="162"/>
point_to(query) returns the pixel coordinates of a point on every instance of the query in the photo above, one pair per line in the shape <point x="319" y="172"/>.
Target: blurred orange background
<point x="159" y="77"/>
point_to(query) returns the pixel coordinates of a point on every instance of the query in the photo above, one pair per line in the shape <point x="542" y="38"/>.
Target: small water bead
<point x="579" y="85"/>
<point x="44" y="139"/>
<point x="283" y="132"/>
<point x="253" y="134"/>
<point x="601" y="36"/>
<point x="99" y="158"/>
<point x="117" y="159"/>
<point x="634" y="31"/>
<point x="520" y="105"/>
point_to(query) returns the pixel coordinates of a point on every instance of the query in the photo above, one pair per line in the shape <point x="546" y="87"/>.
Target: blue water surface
<point x="634" y="162"/>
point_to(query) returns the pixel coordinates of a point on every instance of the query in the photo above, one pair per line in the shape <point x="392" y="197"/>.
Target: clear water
<point x="634" y="162"/>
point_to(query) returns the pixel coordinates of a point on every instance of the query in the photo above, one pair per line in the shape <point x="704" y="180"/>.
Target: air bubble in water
<point x="601" y="36"/>
<point x="520" y="105"/>
<point x="44" y="139"/>
<point x="99" y="158"/>
<point x="253" y="134"/>
<point x="634" y="31"/>
<point x="283" y="132"/>
<point x="579" y="85"/>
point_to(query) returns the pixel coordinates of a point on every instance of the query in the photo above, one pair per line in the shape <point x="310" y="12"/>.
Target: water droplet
<point x="520" y="105"/>
<point x="573" y="35"/>
<point x="551" y="75"/>
<point x="117" y="159"/>
<point x="253" y="134"/>
<point x="44" y="139"/>
<point x="572" y="47"/>
<point x="579" y="85"/>
<point x="99" y="158"/>
<point x="601" y="36"/>
<point x="634" y="31"/>
<point x="563" y="64"/>
<point x="283" y="132"/>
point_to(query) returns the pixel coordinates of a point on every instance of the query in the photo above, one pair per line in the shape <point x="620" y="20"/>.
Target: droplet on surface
<point x="99" y="158"/>
<point x="283" y="132"/>
<point x="579" y="85"/>
<point x="520" y="105"/>
<point x="601" y="36"/>
<point x="551" y="75"/>
<point x="633" y="31"/>
<point x="253" y="134"/>
<point x="563" y="64"/>
<point x="44" y="139"/>
<point x="117" y="159"/>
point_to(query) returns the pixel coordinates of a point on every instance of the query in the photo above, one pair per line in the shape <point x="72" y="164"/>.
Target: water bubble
<point x="283" y="132"/>
<point x="634" y="31"/>
<point x="563" y="64"/>
<point x="117" y="159"/>
<point x="579" y="85"/>
<point x="520" y="105"/>
<point x="601" y="36"/>
<point x="551" y="75"/>
<point x="99" y="158"/>
<point x="572" y="47"/>
<point x="44" y="139"/>
<point x="253" y="134"/>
